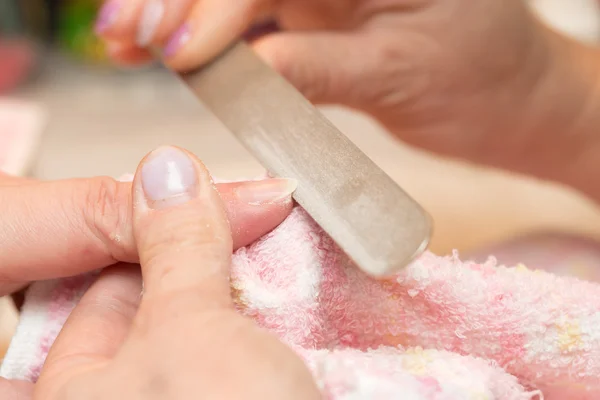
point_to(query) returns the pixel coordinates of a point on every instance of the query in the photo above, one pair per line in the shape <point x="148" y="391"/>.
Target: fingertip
<point x="255" y="208"/>
<point x="258" y="223"/>
<point x="127" y="55"/>
<point x="159" y="18"/>
<point x="188" y="48"/>
<point x="107" y="17"/>
<point x="210" y="29"/>
<point x="175" y="43"/>
<point x="118" y="20"/>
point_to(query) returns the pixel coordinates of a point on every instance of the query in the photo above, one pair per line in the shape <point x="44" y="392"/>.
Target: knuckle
<point x="107" y="214"/>
<point x="165" y="243"/>
<point x="276" y="52"/>
<point x="402" y="69"/>
<point x="185" y="227"/>
<point x="311" y="82"/>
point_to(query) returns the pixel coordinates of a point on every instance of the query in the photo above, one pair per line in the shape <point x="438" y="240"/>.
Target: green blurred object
<point x="76" y="30"/>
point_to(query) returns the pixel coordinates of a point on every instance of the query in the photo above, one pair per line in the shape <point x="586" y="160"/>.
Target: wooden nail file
<point x="364" y="211"/>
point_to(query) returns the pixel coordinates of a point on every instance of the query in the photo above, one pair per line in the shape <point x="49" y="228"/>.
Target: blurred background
<point x="81" y="116"/>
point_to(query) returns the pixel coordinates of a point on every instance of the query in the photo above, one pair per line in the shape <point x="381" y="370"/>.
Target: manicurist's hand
<point x="179" y="337"/>
<point x="483" y="81"/>
<point x="64" y="228"/>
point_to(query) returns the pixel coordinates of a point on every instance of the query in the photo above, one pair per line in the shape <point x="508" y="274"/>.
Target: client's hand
<point x="64" y="228"/>
<point x="179" y="337"/>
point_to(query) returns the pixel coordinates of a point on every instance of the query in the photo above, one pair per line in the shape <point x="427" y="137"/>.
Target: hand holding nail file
<point x="363" y="210"/>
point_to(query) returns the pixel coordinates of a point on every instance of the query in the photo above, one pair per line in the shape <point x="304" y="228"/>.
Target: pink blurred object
<point x="17" y="59"/>
<point x="442" y="329"/>
<point x="21" y="125"/>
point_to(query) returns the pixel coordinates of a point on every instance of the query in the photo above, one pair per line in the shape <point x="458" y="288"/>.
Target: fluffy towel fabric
<point x="442" y="329"/>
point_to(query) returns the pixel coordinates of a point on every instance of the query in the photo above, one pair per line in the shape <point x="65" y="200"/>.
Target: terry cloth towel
<point x="441" y="329"/>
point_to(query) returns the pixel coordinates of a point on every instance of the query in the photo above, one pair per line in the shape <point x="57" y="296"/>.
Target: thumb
<point x="182" y="234"/>
<point x="327" y="67"/>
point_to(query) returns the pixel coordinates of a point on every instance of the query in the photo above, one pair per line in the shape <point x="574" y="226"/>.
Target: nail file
<point x="364" y="211"/>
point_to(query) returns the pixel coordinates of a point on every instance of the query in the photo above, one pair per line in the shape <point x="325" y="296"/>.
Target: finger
<point x="255" y="208"/>
<point x="117" y="20"/>
<point x="160" y="18"/>
<point x="141" y="22"/>
<point x="128" y="55"/>
<point x="15" y="390"/>
<point x="210" y="28"/>
<point x="64" y="228"/>
<point x="12" y="180"/>
<point x="100" y="322"/>
<point x="182" y="234"/>
<point x="327" y="67"/>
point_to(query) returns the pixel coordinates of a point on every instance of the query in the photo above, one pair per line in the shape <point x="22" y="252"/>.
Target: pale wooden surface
<point x="100" y="124"/>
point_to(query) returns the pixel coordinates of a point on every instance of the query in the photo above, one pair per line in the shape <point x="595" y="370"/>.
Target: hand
<point x="183" y="338"/>
<point x="65" y="228"/>
<point x="483" y="81"/>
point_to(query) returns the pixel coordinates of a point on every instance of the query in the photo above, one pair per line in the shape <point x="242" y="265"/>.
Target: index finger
<point x="64" y="228"/>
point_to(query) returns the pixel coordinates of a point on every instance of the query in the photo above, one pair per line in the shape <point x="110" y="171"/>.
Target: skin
<point x="182" y="336"/>
<point x="94" y="218"/>
<point x="484" y="82"/>
<point x="498" y="88"/>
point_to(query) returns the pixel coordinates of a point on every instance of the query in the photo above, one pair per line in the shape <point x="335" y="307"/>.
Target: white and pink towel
<point x="441" y="329"/>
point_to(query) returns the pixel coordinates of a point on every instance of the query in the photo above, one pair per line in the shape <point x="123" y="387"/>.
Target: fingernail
<point x="168" y="178"/>
<point x="178" y="40"/>
<point x="152" y="15"/>
<point x="266" y="191"/>
<point x="107" y="15"/>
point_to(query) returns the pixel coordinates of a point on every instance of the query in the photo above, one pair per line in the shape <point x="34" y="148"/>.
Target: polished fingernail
<point x="152" y="15"/>
<point x="107" y="15"/>
<point x="168" y="178"/>
<point x="178" y="40"/>
<point x="266" y="191"/>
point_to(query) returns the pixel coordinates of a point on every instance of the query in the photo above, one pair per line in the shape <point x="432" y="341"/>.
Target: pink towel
<point x="441" y="329"/>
